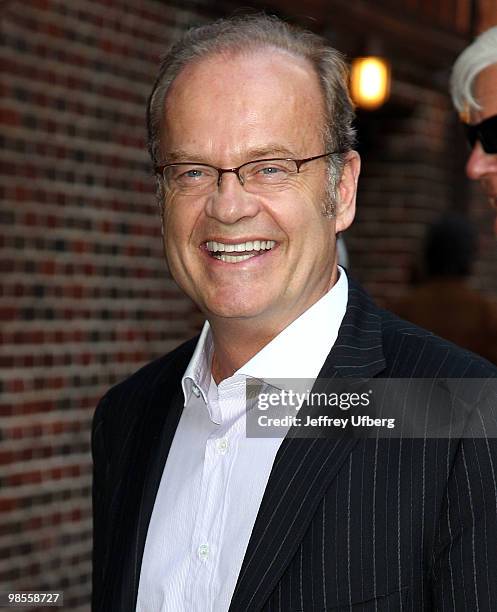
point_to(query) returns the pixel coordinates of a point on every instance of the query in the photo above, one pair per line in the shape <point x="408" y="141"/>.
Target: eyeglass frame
<point x="477" y="132"/>
<point x="159" y="168"/>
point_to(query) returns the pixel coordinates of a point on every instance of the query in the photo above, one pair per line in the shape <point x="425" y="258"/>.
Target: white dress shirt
<point x="215" y="477"/>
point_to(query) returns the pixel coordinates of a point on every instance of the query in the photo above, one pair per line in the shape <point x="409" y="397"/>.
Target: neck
<point x="235" y="343"/>
<point x="237" y="340"/>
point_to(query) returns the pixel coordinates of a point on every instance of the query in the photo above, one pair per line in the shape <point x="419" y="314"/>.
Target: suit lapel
<point x="155" y="429"/>
<point x="164" y="430"/>
<point x="304" y="468"/>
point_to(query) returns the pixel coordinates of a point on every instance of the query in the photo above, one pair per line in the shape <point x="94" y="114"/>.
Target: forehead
<point x="485" y="91"/>
<point x="244" y="99"/>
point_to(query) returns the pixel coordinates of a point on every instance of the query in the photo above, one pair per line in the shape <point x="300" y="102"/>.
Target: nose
<point x="230" y="202"/>
<point x="480" y="164"/>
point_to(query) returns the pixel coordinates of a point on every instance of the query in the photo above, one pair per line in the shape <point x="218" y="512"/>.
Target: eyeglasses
<point x="258" y="176"/>
<point x="485" y="132"/>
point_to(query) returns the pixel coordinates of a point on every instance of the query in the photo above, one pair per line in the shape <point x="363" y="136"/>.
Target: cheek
<point x="174" y="237"/>
<point x="298" y="209"/>
<point x="308" y="223"/>
<point x="179" y="222"/>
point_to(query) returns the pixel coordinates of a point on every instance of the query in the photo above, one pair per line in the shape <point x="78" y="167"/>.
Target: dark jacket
<point x="345" y="523"/>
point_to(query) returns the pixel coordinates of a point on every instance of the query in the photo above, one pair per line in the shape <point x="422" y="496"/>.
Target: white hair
<point x="475" y="58"/>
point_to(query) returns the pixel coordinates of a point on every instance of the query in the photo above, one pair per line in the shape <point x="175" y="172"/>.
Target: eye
<point x="270" y="171"/>
<point x="185" y="175"/>
<point x="191" y="174"/>
<point x="189" y="177"/>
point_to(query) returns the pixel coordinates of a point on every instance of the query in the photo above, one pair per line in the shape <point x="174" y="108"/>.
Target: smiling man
<point x="257" y="211"/>
<point x="250" y="134"/>
<point x="474" y="93"/>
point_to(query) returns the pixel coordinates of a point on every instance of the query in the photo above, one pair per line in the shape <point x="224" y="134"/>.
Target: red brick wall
<point x="85" y="295"/>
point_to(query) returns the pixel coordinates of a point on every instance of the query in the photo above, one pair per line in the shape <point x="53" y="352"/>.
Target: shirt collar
<point x="298" y="352"/>
<point x="198" y="371"/>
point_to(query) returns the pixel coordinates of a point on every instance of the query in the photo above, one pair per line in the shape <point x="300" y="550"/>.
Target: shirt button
<point x="203" y="551"/>
<point x="222" y="446"/>
<point x="196" y="391"/>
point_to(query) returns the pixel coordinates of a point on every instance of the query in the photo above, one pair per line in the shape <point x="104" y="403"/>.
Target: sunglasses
<point x="485" y="132"/>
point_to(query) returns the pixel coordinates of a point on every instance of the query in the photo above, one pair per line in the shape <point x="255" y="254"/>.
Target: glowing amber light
<point x="370" y="81"/>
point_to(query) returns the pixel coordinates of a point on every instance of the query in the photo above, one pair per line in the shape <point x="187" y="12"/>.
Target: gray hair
<point x="475" y="58"/>
<point x="250" y="33"/>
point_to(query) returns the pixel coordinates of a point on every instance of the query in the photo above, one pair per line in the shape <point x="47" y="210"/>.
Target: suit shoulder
<point x="134" y="390"/>
<point x="147" y="376"/>
<point x="411" y="347"/>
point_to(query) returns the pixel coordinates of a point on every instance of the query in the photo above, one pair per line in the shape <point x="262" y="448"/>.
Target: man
<point x="474" y="93"/>
<point x="250" y="134"/>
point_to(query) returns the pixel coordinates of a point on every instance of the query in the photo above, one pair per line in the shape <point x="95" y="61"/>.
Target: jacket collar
<point x="358" y="350"/>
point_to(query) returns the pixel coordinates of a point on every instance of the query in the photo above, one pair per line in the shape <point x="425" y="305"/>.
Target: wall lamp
<point x="370" y="81"/>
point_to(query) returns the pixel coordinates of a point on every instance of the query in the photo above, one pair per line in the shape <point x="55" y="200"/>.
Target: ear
<point x="347" y="191"/>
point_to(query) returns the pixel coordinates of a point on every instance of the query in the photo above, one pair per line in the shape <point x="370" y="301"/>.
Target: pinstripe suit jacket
<point x="345" y="523"/>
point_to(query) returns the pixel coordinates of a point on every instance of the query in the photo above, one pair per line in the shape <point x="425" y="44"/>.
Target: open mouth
<point x="235" y="253"/>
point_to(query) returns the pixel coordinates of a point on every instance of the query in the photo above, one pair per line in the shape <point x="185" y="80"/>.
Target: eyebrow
<point x="269" y="151"/>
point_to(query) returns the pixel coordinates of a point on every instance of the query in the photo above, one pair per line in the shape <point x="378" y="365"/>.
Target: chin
<point x="230" y="311"/>
<point x="235" y="307"/>
<point x="235" y="301"/>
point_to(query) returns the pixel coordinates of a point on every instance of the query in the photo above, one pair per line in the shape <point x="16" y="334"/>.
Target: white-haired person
<point x="474" y="94"/>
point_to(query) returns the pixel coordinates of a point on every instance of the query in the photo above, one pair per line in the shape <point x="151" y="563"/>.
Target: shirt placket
<point x="205" y="548"/>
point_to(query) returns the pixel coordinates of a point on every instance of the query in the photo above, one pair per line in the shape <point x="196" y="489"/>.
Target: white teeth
<point x="250" y="245"/>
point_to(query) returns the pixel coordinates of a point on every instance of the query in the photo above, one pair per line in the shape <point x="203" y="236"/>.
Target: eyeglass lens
<point x="485" y="132"/>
